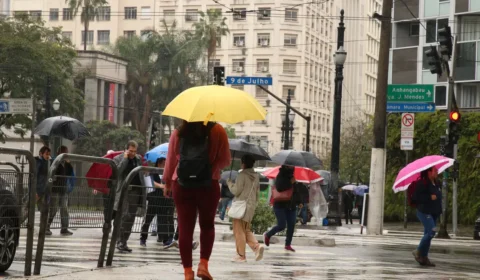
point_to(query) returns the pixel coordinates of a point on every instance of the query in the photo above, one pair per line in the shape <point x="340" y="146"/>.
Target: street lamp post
<point x="21" y="160"/>
<point x="340" y="57"/>
<point x="291" y="127"/>
<point x="286" y="122"/>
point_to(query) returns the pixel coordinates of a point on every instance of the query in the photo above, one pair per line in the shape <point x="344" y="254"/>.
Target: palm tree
<point x="208" y="30"/>
<point x="89" y="10"/>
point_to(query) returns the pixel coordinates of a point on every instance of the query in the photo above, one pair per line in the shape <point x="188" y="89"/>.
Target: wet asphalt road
<point x="353" y="257"/>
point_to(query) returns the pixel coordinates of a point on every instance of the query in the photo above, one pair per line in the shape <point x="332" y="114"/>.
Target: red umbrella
<point x="103" y="172"/>
<point x="301" y="174"/>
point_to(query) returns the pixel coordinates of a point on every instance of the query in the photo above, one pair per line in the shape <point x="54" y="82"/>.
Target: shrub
<point x="263" y="219"/>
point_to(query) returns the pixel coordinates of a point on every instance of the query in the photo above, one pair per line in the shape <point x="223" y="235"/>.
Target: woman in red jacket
<point x="196" y="154"/>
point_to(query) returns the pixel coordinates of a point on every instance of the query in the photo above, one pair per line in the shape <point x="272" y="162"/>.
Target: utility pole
<point x="340" y="57"/>
<point x="286" y="140"/>
<point x="378" y="161"/>
<point x="405" y="202"/>
<point x="34" y="122"/>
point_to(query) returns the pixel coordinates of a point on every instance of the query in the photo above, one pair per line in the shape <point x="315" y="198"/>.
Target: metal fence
<point x="71" y="202"/>
<point x="134" y="196"/>
<point x="17" y="208"/>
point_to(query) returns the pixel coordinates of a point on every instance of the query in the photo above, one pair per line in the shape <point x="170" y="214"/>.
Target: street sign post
<point x="410" y="93"/>
<point x="260" y="81"/>
<point x="410" y="107"/>
<point x="16" y="106"/>
<point x="407" y="129"/>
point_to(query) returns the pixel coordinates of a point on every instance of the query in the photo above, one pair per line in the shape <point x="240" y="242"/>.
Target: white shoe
<point x="259" y="253"/>
<point x="239" y="259"/>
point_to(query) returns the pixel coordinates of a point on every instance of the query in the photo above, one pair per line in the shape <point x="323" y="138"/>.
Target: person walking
<point x="286" y="197"/>
<point x="197" y="152"/>
<point x="348" y="206"/>
<point x="58" y="197"/>
<point x="246" y="188"/>
<point x="159" y="206"/>
<point x="428" y="199"/>
<point x="43" y="162"/>
<point x="135" y="198"/>
<point x="225" y="201"/>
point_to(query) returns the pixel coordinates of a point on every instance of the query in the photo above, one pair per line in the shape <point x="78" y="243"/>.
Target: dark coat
<point x="423" y="197"/>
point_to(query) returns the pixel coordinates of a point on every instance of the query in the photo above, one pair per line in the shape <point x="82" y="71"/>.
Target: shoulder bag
<point x="239" y="207"/>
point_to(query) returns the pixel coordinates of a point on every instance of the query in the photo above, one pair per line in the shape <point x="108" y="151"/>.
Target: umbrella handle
<point x="231" y="166"/>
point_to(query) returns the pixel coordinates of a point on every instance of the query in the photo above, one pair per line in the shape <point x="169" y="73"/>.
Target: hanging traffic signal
<point x="445" y="40"/>
<point x="219" y="75"/>
<point x="434" y="61"/>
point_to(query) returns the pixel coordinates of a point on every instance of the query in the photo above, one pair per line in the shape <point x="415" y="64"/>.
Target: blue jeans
<point x="304" y="213"/>
<point x="429" y="223"/>
<point x="224" y="203"/>
<point x="285" y="218"/>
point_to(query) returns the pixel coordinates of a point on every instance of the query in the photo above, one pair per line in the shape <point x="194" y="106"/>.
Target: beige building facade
<point x="291" y="45"/>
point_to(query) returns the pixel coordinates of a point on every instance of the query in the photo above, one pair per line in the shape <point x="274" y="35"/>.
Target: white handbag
<point x="239" y="207"/>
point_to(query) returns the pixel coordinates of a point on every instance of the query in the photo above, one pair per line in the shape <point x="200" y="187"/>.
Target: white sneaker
<point x="259" y="253"/>
<point x="239" y="259"/>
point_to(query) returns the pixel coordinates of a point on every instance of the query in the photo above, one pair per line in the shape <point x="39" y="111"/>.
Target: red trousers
<point x="188" y="202"/>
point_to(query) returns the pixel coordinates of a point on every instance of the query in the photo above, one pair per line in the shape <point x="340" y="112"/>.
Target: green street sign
<point x="410" y="93"/>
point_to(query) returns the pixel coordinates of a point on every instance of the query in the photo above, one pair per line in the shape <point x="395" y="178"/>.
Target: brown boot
<point x="427" y="262"/>
<point x="418" y="258"/>
<point x="202" y="271"/>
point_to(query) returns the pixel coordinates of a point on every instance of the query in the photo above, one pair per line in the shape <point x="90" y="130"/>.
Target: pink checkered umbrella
<point x="412" y="171"/>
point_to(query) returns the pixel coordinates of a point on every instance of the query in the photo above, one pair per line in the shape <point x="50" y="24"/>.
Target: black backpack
<point x="194" y="168"/>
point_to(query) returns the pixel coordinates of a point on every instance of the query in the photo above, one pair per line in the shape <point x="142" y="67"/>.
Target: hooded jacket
<point x="246" y="188"/>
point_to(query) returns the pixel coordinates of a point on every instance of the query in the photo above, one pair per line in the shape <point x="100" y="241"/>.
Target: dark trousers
<point x="59" y="200"/>
<point x="188" y="201"/>
<point x="163" y="208"/>
<point x="131" y="203"/>
<point x="286" y="218"/>
<point x="348" y="215"/>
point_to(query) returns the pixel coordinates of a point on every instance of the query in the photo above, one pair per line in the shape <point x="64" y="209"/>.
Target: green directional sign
<point x="410" y="93"/>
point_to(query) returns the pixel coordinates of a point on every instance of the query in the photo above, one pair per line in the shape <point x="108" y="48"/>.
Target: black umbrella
<point x="296" y="158"/>
<point x="232" y="175"/>
<point x="61" y="126"/>
<point x="239" y="148"/>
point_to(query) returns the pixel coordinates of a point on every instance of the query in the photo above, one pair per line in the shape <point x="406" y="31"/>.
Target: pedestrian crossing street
<point x="353" y="257"/>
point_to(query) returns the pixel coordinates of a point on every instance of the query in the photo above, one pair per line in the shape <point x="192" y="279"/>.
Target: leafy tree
<point x="230" y="132"/>
<point x="32" y="57"/>
<point x="107" y="136"/>
<point x="89" y="11"/>
<point x="211" y="28"/>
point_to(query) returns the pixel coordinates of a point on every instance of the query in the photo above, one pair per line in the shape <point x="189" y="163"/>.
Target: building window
<point x="291" y="14"/>
<point x="466" y="61"/>
<point x="54" y="14"/>
<point x="262" y="65"/>
<point x="414" y="29"/>
<point x="263" y="39"/>
<point x="130" y="12"/>
<point x="238" y="65"/>
<point x="103" y="14"/>
<point x="260" y="93"/>
<point x="432" y="29"/>
<point x="192" y="15"/>
<point x="289" y="66"/>
<point x="169" y="15"/>
<point x="67" y="14"/>
<point x="264" y="13"/>
<point x="103" y="37"/>
<point x="239" y="14"/>
<point x="129" y="33"/>
<point x="67" y="35"/>
<point x="285" y="90"/>
<point x="239" y="40"/>
<point x="290" y="40"/>
<point x="36" y="15"/>
<point x="239" y="87"/>
<point x="468" y="97"/>
<point x="89" y="37"/>
<point x="145" y="12"/>
<point x="441" y="95"/>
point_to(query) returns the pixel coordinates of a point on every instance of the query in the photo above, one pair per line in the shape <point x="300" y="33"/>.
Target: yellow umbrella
<point x="216" y="104"/>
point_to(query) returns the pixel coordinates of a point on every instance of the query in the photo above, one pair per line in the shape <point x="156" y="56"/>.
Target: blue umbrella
<point x="360" y="190"/>
<point x="157" y="152"/>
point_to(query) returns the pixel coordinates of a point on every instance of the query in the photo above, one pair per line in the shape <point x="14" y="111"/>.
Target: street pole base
<point x="443" y="234"/>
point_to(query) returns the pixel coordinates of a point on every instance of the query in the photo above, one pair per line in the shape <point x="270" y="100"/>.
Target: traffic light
<point x="453" y="120"/>
<point x="445" y="40"/>
<point x="434" y="61"/>
<point x="153" y="136"/>
<point x="219" y="75"/>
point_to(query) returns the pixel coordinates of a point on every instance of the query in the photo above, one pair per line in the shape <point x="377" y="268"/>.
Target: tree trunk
<point x="143" y="123"/>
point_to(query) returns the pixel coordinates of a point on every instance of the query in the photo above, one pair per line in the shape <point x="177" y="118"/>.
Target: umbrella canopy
<point x="301" y="174"/>
<point x="412" y="171"/>
<point x="239" y="148"/>
<point x="360" y="190"/>
<point x="99" y="173"/>
<point x="232" y="175"/>
<point x="296" y="158"/>
<point x="157" y="152"/>
<point x="216" y="104"/>
<point x="61" y="126"/>
<point x="349" y="187"/>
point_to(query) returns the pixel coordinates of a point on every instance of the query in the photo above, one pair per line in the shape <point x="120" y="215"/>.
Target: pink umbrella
<point x="412" y="171"/>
